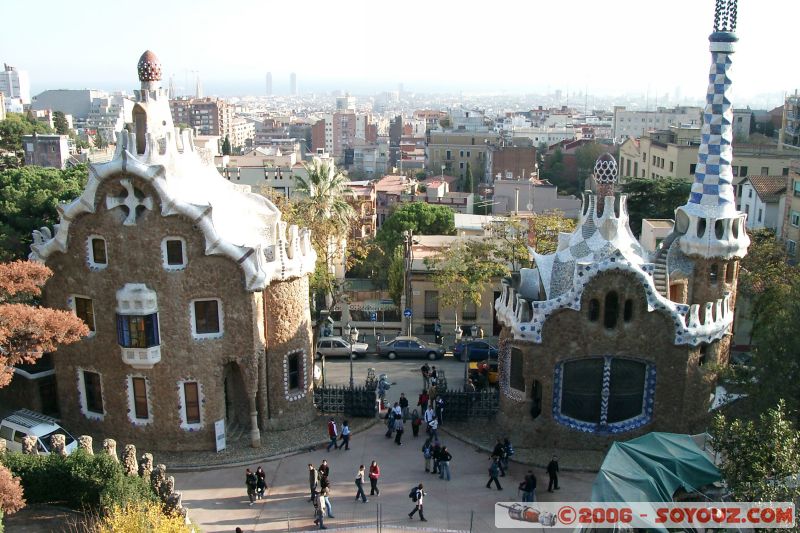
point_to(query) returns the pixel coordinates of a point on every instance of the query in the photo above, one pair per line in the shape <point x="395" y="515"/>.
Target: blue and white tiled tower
<point x="709" y="224"/>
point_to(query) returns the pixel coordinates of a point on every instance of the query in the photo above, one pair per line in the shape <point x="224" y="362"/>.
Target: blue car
<point x="478" y="350"/>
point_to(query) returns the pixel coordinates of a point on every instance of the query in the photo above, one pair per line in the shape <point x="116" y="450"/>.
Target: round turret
<point x="149" y="67"/>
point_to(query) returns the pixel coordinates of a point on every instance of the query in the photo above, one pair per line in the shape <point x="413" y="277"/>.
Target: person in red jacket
<point x="333" y="434"/>
<point x="374" y="474"/>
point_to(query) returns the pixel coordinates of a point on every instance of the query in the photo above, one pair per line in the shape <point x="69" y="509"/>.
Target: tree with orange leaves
<point x="28" y="330"/>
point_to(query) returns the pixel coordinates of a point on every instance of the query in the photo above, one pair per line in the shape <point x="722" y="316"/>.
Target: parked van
<point x="23" y="423"/>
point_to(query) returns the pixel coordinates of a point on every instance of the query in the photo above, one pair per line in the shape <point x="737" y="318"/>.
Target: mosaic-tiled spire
<point x="709" y="224"/>
<point x="712" y="192"/>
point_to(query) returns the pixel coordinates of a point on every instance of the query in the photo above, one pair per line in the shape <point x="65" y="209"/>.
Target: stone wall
<point x="135" y="256"/>
<point x="682" y="386"/>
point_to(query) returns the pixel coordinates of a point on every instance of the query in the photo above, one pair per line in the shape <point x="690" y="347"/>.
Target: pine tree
<point x="60" y="123"/>
<point x="226" y="146"/>
<point x="469" y="181"/>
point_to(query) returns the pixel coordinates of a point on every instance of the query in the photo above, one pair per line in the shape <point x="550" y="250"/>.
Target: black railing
<point x="461" y="405"/>
<point x="357" y="402"/>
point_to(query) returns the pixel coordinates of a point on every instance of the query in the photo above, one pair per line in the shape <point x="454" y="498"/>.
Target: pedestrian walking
<point x="397" y="410"/>
<point x="389" y="423"/>
<point x="261" y="483"/>
<point x="433" y="428"/>
<point x="398" y="431"/>
<point x="422" y="401"/>
<point x="319" y="514"/>
<point x="325" y="493"/>
<point x="324" y="470"/>
<point x="435" y="453"/>
<point x="360" y="485"/>
<point x="440" y="409"/>
<point x="251" y="483"/>
<point x="425" y="370"/>
<point x="437" y="332"/>
<point x="429" y="415"/>
<point x="380" y="390"/>
<point x="499" y="452"/>
<point x="345" y="435"/>
<point x="444" y="463"/>
<point x="494" y="470"/>
<point x="404" y="406"/>
<point x="528" y="487"/>
<point x="416" y="422"/>
<point x="313" y="481"/>
<point x="427" y="453"/>
<point x="509" y="451"/>
<point x="333" y="434"/>
<point x="374" y="474"/>
<point x="552" y="472"/>
<point x="417" y="495"/>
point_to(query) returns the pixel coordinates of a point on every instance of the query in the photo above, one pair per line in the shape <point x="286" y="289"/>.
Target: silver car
<point x="338" y="346"/>
<point x="410" y="347"/>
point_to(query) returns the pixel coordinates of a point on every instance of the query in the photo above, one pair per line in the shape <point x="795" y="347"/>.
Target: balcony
<point x="141" y="358"/>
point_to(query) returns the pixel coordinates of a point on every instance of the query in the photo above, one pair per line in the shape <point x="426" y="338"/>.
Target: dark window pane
<point x="294" y="371"/>
<point x="536" y="399"/>
<point x="94" y="392"/>
<point x="612" y="310"/>
<point x="627" y="390"/>
<point x="99" y="251"/>
<point x="192" y="402"/>
<point x="581" y="388"/>
<point x="206" y="316"/>
<point x="134" y="331"/>
<point x="516" y="378"/>
<point x="140" y="397"/>
<point x="85" y="311"/>
<point x="627" y="314"/>
<point x="594" y="310"/>
<point x="174" y="252"/>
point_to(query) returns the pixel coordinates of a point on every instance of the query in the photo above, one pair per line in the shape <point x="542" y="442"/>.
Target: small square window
<point x="174" y="252"/>
<point x="206" y="318"/>
<point x="99" y="251"/>
<point x="84" y="309"/>
<point x="765" y="171"/>
<point x="795" y="218"/>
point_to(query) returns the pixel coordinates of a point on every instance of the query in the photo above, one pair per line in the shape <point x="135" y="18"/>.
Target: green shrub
<point x="79" y="480"/>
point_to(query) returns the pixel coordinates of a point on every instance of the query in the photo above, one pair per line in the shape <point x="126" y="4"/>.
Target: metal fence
<point x="357" y="402"/>
<point x="461" y="405"/>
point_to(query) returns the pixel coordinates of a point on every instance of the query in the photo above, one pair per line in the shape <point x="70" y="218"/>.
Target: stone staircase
<point x="660" y="272"/>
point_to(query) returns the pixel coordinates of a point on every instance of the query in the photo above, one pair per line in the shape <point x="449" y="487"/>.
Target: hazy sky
<point x="612" y="46"/>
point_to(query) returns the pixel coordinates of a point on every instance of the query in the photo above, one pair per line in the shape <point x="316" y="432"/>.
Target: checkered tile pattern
<point x="713" y="186"/>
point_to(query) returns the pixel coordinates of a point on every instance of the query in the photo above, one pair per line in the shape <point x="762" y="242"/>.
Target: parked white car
<point x="336" y="346"/>
<point x="23" y="423"/>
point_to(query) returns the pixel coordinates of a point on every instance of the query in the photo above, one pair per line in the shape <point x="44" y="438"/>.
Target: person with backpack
<point x="427" y="453"/>
<point x="444" y="463"/>
<point x="417" y="495"/>
<point x="494" y="469"/>
<point x="374" y="474"/>
<point x="251" y="483"/>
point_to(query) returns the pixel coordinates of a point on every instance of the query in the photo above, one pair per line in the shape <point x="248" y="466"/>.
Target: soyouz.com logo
<point x="764" y="515"/>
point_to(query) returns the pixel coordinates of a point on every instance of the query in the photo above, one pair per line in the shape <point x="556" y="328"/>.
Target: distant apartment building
<point x="455" y="149"/>
<point x="389" y="190"/>
<point x="532" y="195"/>
<point x="742" y="123"/>
<point x="46" y="150"/>
<point x="468" y="120"/>
<point x="15" y="85"/>
<point x="672" y="153"/>
<point x="339" y="133"/>
<point x="363" y="199"/>
<point x="632" y="124"/>
<point x="75" y="102"/>
<point x="760" y="198"/>
<point x="108" y="115"/>
<point x="263" y="167"/>
<point x="790" y="134"/>
<point x="212" y="116"/>
<point x="790" y="228"/>
<point x="431" y="118"/>
<point x="512" y="162"/>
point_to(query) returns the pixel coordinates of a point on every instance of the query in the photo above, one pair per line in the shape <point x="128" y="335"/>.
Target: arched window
<point x="611" y="310"/>
<point x="594" y="310"/>
<point x="703" y="355"/>
<point x="604" y="394"/>
<point x="713" y="273"/>
<point x="627" y="313"/>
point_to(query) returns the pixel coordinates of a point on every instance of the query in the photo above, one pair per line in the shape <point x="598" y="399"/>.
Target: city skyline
<point x="625" y="48"/>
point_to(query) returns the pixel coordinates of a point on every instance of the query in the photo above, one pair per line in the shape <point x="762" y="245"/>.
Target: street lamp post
<point x="464" y="354"/>
<point x="352" y="336"/>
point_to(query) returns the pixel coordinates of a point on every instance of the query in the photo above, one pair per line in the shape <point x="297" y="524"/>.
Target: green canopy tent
<point x="651" y="468"/>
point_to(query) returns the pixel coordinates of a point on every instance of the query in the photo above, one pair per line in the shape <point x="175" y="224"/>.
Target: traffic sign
<point x="407" y="313"/>
<point x="373" y="316"/>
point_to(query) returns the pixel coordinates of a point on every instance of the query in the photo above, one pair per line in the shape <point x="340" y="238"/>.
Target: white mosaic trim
<point x="81" y="383"/>
<point x="132" y="402"/>
<point x="504" y="364"/>
<point x="299" y="393"/>
<point x="182" y="405"/>
<point x="526" y="319"/>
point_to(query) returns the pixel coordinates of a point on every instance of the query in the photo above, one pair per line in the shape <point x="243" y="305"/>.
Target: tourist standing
<point x="422" y="401"/>
<point x="528" y="487"/>
<point x="398" y="431"/>
<point x="360" y="485"/>
<point x="552" y="472"/>
<point x="427" y="453"/>
<point x="426" y="375"/>
<point x="417" y="496"/>
<point x="374" y="474"/>
<point x="433" y="428"/>
<point x="313" y="481"/>
<point x="437" y="332"/>
<point x="251" y="483"/>
<point x="435" y="451"/>
<point x="345" y="435"/>
<point x="404" y="406"/>
<point x="416" y="422"/>
<point x="440" y="409"/>
<point x="444" y="463"/>
<point x="333" y="434"/>
<point x="324" y="470"/>
<point x="494" y="470"/>
<point x="499" y="453"/>
<point x="325" y="492"/>
<point x="261" y="483"/>
<point x="319" y="514"/>
<point x="509" y="451"/>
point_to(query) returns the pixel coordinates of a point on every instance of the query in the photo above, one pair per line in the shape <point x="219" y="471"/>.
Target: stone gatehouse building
<point x="195" y="292"/>
<point x="602" y="340"/>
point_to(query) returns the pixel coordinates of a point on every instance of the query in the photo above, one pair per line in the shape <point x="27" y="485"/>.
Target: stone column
<point x="29" y="446"/>
<point x="110" y="448"/>
<point x="146" y="465"/>
<point x="129" y="460"/>
<point x="255" y="434"/>
<point x="85" y="444"/>
<point x="58" y="444"/>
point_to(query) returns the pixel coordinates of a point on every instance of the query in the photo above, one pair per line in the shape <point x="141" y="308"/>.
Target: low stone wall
<point x="163" y="485"/>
